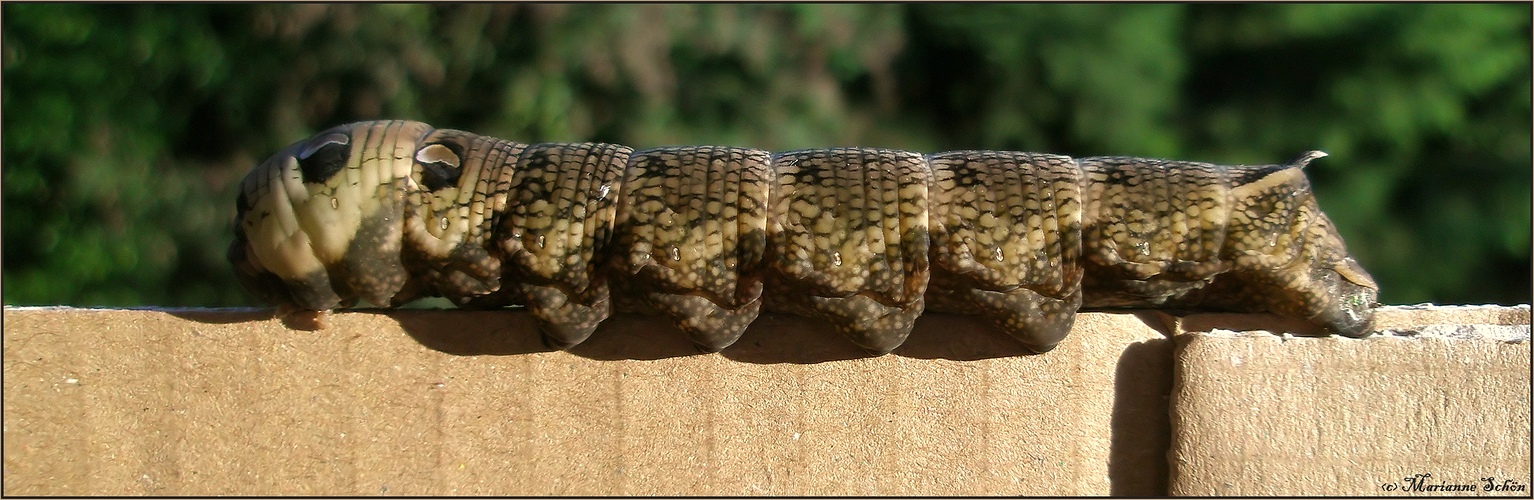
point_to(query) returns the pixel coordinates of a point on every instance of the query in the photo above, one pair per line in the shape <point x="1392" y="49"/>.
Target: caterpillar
<point x="710" y="236"/>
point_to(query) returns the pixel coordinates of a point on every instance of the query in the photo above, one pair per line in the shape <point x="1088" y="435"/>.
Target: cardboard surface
<point x="1433" y="409"/>
<point x="204" y="402"/>
<point x="134" y="402"/>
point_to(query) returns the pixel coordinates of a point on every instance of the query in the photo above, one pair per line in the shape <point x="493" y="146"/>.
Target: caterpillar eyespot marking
<point x="710" y="236"/>
<point x="323" y="159"/>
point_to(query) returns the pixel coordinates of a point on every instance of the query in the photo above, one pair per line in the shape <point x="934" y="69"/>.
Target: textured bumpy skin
<point x="849" y="242"/>
<point x="1006" y="241"/>
<point x="867" y="239"/>
<point x="691" y="235"/>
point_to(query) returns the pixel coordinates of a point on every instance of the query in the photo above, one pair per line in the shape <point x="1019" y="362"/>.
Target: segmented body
<point x="867" y="239"/>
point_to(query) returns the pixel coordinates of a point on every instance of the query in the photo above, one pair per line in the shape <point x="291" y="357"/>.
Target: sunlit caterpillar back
<point x="709" y="236"/>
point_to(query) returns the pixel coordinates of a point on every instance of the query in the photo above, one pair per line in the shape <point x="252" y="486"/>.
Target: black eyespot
<point x="439" y="165"/>
<point x="320" y="164"/>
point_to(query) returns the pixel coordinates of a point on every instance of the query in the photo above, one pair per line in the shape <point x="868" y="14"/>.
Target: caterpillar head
<point x="1352" y="294"/>
<point x="1279" y="219"/>
<point x="318" y="225"/>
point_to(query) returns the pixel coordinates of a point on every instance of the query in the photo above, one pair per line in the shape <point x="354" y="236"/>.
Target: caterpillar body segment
<point x="848" y="241"/>
<point x="1006" y="241"/>
<point x="458" y="188"/>
<point x="1154" y="230"/>
<point x="709" y="236"/>
<point x="691" y="238"/>
<point x="554" y="234"/>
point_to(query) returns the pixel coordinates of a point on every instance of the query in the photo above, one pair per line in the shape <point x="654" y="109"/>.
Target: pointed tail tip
<point x="1304" y="159"/>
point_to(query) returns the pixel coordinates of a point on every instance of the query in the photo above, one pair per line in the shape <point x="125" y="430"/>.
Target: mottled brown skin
<point x="690" y="238"/>
<point x="458" y="188"/>
<point x="1006" y="241"/>
<point x="554" y="233"/>
<point x="847" y="241"/>
<point x="866" y="239"/>
<point x="1198" y="236"/>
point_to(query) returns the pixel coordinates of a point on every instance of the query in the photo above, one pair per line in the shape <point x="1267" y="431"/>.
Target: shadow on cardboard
<point x="1141" y="422"/>
<point x="771" y="339"/>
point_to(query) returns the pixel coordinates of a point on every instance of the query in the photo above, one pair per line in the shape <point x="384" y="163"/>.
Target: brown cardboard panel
<point x="1258" y="414"/>
<point x="198" y="402"/>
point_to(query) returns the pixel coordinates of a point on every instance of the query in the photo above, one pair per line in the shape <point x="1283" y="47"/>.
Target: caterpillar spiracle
<point x="709" y="236"/>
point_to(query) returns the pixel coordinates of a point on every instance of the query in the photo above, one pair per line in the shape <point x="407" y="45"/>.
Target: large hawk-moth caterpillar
<point x="867" y="239"/>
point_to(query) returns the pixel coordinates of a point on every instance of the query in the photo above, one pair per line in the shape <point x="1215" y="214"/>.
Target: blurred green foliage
<point x="127" y="127"/>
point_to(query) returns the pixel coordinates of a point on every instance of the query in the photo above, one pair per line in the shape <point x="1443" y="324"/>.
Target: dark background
<point x="127" y="127"/>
